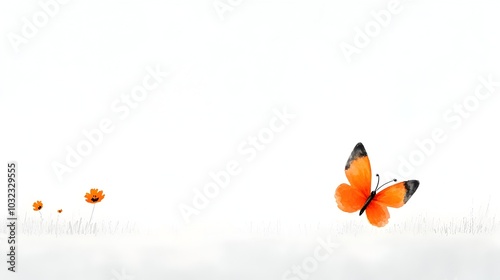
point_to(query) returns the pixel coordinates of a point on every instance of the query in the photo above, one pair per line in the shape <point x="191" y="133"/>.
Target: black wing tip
<point x="360" y="147"/>
<point x="411" y="187"/>
<point x="357" y="152"/>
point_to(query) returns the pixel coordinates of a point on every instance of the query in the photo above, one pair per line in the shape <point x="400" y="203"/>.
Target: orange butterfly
<point x="358" y="195"/>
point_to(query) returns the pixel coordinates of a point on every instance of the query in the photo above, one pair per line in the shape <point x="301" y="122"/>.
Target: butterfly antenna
<point x="378" y="181"/>
<point x="378" y="188"/>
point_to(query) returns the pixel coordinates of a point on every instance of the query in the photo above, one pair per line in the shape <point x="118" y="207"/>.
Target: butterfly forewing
<point x="398" y="194"/>
<point x="351" y="198"/>
<point x="358" y="170"/>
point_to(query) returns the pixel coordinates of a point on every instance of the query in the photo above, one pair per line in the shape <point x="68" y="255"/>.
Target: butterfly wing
<point x="377" y="214"/>
<point x="394" y="196"/>
<point x="358" y="170"/>
<point x="351" y="198"/>
<point x="398" y="194"/>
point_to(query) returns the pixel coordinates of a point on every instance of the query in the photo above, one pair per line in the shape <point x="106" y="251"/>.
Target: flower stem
<point x="41" y="221"/>
<point x="57" y="228"/>
<point x="91" y="215"/>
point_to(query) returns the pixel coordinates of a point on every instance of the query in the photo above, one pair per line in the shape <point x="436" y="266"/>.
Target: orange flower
<point x="94" y="196"/>
<point x="59" y="211"/>
<point x="37" y="206"/>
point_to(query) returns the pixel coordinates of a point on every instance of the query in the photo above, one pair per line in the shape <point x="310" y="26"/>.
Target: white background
<point x="227" y="75"/>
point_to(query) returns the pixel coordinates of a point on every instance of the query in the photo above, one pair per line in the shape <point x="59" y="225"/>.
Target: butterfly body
<point x="368" y="200"/>
<point x="358" y="194"/>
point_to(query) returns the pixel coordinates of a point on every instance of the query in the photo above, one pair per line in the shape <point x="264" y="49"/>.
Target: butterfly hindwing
<point x="377" y="214"/>
<point x="351" y="198"/>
